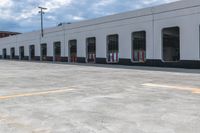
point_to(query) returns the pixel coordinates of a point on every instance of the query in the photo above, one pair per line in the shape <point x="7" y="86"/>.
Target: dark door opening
<point x="171" y="44"/>
<point x="112" y="49"/>
<point x="57" y="51"/>
<point x="32" y="52"/>
<point x="139" y="46"/>
<point x="12" y="53"/>
<point x="21" y="53"/>
<point x="73" y="51"/>
<point x="91" y="50"/>
<point x="4" y="51"/>
<point x="43" y="54"/>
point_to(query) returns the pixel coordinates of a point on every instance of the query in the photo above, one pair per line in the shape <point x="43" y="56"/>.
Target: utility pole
<point x="41" y="13"/>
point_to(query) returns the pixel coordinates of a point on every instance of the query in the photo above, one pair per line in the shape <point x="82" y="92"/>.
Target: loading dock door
<point x="21" y="53"/>
<point x="57" y="51"/>
<point x="31" y="52"/>
<point x="91" y="50"/>
<point x="171" y="44"/>
<point x="139" y="46"/>
<point x="12" y="53"/>
<point x="4" y="54"/>
<point x="112" y="49"/>
<point x="43" y="54"/>
<point x="73" y="51"/>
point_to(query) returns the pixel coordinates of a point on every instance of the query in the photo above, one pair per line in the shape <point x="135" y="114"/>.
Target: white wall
<point x="185" y="14"/>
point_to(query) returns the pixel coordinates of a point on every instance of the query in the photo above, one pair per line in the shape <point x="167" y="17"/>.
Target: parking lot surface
<point x="65" y="98"/>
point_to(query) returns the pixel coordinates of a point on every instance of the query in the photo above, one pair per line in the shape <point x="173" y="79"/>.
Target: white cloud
<point x="5" y="8"/>
<point x="51" y="6"/>
<point x="54" y="4"/>
<point x="51" y="18"/>
<point x="146" y="2"/>
<point x="104" y="3"/>
<point x="6" y="3"/>
<point x="98" y="8"/>
<point x="24" y="13"/>
<point x="77" y="18"/>
<point x="27" y="10"/>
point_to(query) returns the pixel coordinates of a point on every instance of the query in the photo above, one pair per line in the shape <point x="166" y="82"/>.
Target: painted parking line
<point x="185" y="88"/>
<point x="35" y="93"/>
<point x="196" y="91"/>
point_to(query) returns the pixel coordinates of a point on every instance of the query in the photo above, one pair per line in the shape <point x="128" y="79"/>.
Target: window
<point x="171" y="44"/>
<point x="91" y="50"/>
<point x="73" y="51"/>
<point x="139" y="46"/>
<point x="112" y="48"/>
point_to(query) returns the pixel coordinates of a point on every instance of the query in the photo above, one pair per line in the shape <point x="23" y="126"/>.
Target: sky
<point x="23" y="16"/>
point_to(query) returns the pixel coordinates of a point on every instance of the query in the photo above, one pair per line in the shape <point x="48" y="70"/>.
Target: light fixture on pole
<point x="41" y="13"/>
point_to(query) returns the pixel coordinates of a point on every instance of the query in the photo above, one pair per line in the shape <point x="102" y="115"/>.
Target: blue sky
<point x="22" y="15"/>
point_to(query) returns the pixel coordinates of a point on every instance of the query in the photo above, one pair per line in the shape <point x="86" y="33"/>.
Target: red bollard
<point x="143" y="55"/>
<point x="138" y="55"/>
<point x="113" y="59"/>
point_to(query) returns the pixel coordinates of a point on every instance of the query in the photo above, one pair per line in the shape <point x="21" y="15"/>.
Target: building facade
<point x="164" y="36"/>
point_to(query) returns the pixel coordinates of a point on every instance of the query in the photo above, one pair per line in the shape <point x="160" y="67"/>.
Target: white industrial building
<point x="166" y="35"/>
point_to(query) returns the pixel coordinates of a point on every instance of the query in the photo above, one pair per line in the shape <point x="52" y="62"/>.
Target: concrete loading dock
<point x="43" y="48"/>
<point x="161" y="36"/>
<point x="57" y="51"/>
<point x="12" y="51"/>
<point x="32" y="52"/>
<point x="139" y="46"/>
<point x="73" y="51"/>
<point x="4" y="54"/>
<point x="171" y="44"/>
<point x="113" y="48"/>
<point x="91" y="50"/>
<point x="21" y="53"/>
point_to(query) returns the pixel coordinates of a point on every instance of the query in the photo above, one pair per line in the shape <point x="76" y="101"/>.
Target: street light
<point x="41" y="13"/>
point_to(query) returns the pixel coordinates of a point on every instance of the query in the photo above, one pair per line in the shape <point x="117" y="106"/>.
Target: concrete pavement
<point x="65" y="98"/>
